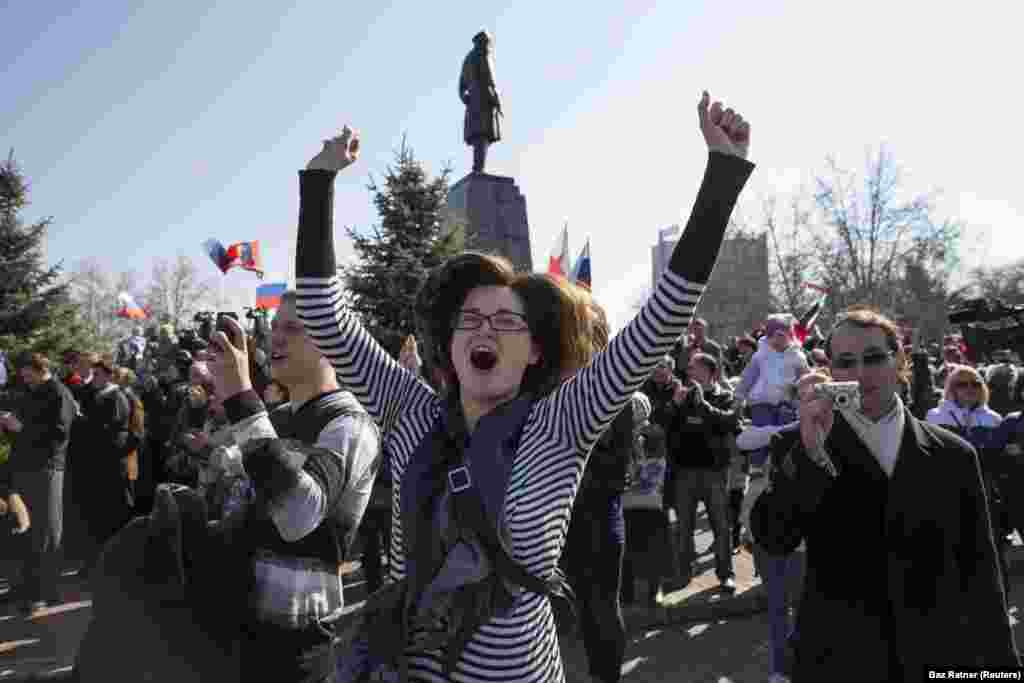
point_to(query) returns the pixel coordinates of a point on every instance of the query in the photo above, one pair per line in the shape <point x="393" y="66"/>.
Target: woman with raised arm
<point x="485" y="476"/>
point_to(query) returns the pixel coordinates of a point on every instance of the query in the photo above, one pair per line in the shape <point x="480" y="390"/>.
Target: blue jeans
<point x="769" y="415"/>
<point x="774" y="571"/>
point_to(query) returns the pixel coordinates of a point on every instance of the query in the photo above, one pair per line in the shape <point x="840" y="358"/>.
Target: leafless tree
<point x="177" y="290"/>
<point x="93" y="290"/>
<point x="875" y="229"/>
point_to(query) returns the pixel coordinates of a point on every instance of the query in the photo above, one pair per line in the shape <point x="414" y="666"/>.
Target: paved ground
<point x="700" y="635"/>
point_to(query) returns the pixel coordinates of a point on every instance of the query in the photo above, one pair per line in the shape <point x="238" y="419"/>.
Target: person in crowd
<point x="510" y="436"/>
<point x="659" y="388"/>
<point x="746" y="347"/>
<point x="311" y="465"/>
<point x="78" y="379"/>
<point x="126" y="381"/>
<point x="647" y="544"/>
<point x="770" y="376"/>
<point x="163" y="396"/>
<point x="596" y="540"/>
<point x="774" y="570"/>
<point x="933" y="583"/>
<point x="1002" y="378"/>
<point x="107" y="503"/>
<point x="696" y="342"/>
<point x="191" y="420"/>
<point x="952" y="357"/>
<point x="965" y="407"/>
<point x="706" y="422"/>
<point x="41" y="428"/>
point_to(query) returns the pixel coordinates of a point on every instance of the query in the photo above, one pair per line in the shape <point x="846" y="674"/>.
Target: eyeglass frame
<point x="878" y="360"/>
<point x="490" y="320"/>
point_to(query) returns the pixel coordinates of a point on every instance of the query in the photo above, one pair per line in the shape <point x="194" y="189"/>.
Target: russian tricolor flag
<point x="245" y="255"/>
<point x="129" y="308"/>
<point x="269" y="296"/>
<point x="581" y="270"/>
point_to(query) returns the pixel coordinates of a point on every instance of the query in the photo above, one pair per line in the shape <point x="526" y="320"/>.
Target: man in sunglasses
<point x="902" y="573"/>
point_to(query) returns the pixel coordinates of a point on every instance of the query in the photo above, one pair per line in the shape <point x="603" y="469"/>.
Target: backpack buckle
<point x="459" y="479"/>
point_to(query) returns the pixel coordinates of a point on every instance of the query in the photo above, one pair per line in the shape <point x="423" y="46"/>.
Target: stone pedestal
<point x="493" y="210"/>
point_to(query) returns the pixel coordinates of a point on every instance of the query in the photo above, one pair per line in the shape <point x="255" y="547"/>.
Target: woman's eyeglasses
<point x="873" y="359"/>
<point x="502" y="321"/>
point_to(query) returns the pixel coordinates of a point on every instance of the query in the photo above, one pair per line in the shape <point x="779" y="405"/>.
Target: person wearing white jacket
<point x="766" y="383"/>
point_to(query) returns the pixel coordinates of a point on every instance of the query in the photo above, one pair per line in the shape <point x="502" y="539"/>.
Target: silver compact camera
<point x="844" y="395"/>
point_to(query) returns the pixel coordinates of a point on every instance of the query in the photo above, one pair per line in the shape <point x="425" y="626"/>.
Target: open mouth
<point x="483" y="358"/>
<point x="274" y="357"/>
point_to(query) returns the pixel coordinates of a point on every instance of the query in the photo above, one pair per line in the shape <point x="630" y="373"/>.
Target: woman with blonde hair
<point x="965" y="409"/>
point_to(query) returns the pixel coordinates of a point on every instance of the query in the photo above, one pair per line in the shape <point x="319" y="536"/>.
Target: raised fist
<point x="724" y="130"/>
<point x="338" y="152"/>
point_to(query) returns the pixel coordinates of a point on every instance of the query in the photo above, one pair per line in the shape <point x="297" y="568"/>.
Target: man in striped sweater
<point x="312" y="463"/>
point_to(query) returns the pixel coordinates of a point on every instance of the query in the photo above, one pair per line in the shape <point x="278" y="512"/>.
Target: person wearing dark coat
<point x="40" y="426"/>
<point x="109" y="502"/>
<point x="902" y="573"/>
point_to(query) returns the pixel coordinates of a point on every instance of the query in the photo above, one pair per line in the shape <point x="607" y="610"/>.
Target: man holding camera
<point x="312" y="463"/>
<point x="902" y="573"/>
<point x="706" y="421"/>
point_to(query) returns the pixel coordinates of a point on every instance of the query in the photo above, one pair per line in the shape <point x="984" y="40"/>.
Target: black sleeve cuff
<point x="242" y="405"/>
<point x="314" y="252"/>
<point x="695" y="254"/>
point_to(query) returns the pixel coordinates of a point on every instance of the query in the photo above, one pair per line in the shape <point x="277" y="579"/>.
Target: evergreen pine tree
<point x="412" y="239"/>
<point x="36" y="313"/>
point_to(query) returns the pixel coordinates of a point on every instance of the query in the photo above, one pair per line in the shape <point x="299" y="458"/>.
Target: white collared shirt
<point x="883" y="438"/>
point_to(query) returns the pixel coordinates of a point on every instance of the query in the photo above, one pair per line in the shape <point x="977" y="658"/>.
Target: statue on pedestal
<point x="482" y="123"/>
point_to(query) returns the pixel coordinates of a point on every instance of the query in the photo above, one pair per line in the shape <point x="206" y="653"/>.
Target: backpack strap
<point x="469" y="513"/>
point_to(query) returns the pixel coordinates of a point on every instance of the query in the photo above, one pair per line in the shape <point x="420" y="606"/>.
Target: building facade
<point x="738" y="297"/>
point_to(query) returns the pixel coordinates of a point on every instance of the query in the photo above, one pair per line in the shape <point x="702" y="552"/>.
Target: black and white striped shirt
<point x="559" y="433"/>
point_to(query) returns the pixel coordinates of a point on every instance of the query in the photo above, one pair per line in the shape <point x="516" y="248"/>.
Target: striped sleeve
<point x="590" y="401"/>
<point x="380" y="384"/>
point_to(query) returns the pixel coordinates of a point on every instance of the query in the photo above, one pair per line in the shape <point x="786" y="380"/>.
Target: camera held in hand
<point x="844" y="395"/>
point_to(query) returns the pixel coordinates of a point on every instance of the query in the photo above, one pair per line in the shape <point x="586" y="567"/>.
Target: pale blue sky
<point x="149" y="127"/>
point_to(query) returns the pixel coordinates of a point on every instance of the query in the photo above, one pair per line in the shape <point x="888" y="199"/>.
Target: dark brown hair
<point x="559" y="318"/>
<point x="558" y="324"/>
<point x="443" y="294"/>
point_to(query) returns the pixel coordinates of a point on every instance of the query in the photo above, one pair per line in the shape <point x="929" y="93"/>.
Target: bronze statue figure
<point x="482" y="124"/>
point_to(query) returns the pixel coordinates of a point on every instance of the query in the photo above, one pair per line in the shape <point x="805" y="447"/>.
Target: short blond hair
<point x="957" y="374"/>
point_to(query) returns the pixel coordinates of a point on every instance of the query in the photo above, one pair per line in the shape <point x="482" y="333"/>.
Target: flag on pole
<point x="558" y="262"/>
<point x="129" y="308"/>
<point x="807" y="320"/>
<point x="269" y="296"/>
<point x="245" y="255"/>
<point x="581" y="269"/>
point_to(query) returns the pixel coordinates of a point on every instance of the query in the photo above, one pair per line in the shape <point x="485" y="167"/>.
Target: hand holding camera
<point x="819" y="399"/>
<point x="230" y="367"/>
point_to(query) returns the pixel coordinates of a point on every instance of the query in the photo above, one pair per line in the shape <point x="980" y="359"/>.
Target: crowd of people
<point x="517" y="471"/>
